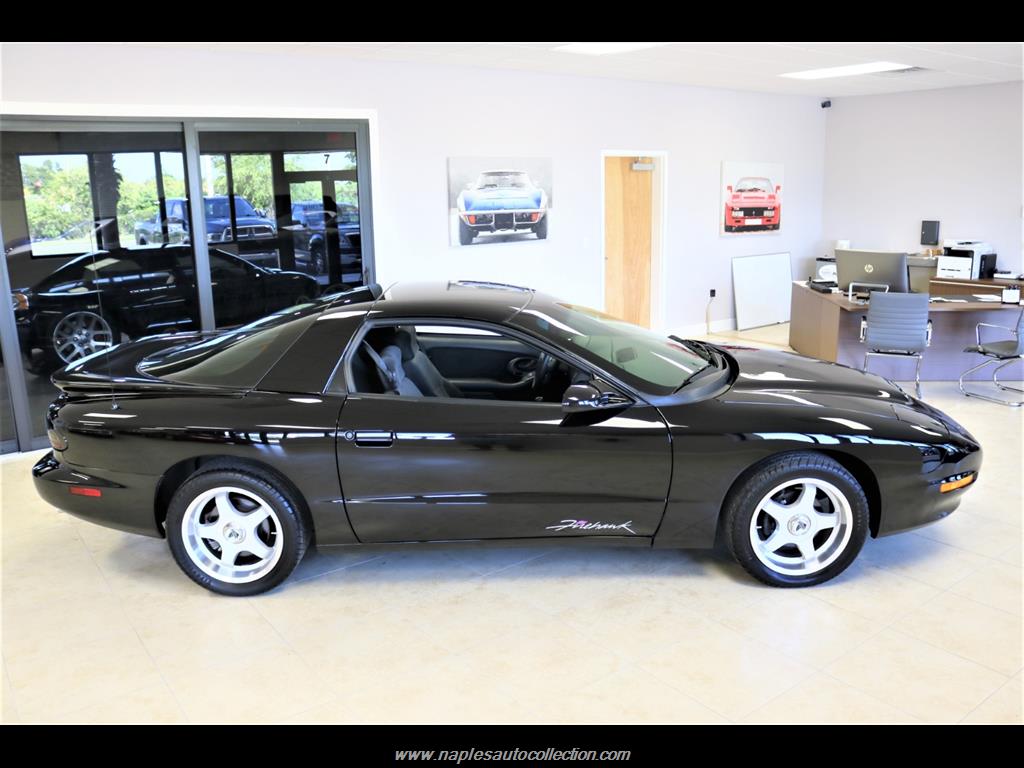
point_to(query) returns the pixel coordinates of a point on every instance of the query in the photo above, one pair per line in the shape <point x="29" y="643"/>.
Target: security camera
<point x="826" y="103"/>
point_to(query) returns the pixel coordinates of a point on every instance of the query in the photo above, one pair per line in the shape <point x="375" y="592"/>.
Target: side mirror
<point x="729" y="187"/>
<point x="777" y="189"/>
<point x="584" y="398"/>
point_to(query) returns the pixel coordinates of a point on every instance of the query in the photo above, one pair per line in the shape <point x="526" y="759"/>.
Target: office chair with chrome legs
<point x="897" y="325"/>
<point x="1001" y="354"/>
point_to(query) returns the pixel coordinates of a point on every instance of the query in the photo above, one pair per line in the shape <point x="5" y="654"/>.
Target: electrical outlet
<point x="713" y="293"/>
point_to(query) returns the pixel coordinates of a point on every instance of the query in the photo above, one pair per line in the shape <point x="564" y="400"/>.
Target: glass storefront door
<point x="101" y="244"/>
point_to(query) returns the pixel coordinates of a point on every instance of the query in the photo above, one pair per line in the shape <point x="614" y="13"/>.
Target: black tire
<point x="466" y="233"/>
<point x="743" y="501"/>
<point x="541" y="228"/>
<point x="316" y="257"/>
<point x="294" y="528"/>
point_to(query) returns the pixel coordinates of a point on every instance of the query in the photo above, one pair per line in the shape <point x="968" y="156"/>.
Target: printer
<point x="966" y="259"/>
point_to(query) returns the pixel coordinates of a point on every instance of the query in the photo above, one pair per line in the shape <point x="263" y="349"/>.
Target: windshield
<point x="649" y="361"/>
<point x="754" y="185"/>
<point x="506" y="180"/>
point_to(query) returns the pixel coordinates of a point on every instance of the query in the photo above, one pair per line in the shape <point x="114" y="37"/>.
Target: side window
<point x="457" y="361"/>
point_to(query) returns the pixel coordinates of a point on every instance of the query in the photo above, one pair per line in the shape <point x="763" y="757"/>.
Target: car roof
<point x="462" y="299"/>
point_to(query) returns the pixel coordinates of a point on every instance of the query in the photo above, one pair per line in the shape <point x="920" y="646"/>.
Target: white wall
<point x="953" y="155"/>
<point x="424" y="114"/>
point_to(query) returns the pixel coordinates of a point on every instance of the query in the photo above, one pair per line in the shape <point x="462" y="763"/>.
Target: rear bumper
<point x="126" y="501"/>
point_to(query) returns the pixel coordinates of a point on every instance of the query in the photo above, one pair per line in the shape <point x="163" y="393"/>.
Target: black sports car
<point x="87" y="304"/>
<point x="477" y="411"/>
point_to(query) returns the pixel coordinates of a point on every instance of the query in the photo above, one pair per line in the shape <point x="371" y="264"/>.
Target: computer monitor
<point x="871" y="268"/>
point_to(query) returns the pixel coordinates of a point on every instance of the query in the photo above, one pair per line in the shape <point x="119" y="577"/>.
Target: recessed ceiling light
<point x="852" y="69"/>
<point x="603" y="49"/>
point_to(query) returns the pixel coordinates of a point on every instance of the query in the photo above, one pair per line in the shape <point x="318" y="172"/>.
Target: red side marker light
<point x="84" y="490"/>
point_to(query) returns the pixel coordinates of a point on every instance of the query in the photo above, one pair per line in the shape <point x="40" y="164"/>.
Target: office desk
<point x="954" y="286"/>
<point x="827" y="326"/>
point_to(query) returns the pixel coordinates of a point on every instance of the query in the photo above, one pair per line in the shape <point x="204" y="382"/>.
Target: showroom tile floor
<point x="99" y="626"/>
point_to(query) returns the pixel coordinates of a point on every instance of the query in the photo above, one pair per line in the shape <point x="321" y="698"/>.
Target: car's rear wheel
<point x="796" y="520"/>
<point x="541" y="228"/>
<point x="235" y="533"/>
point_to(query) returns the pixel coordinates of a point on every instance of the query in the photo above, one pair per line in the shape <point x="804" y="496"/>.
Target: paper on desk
<point x="987" y="297"/>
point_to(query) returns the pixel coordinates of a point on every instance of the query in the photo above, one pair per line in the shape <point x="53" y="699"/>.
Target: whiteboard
<point x="762" y="289"/>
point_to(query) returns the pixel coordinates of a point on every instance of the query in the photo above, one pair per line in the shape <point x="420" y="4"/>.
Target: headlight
<point x="19" y="302"/>
<point x="737" y="212"/>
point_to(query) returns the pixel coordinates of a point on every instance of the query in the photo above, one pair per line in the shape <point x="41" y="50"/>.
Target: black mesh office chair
<point x="1001" y="354"/>
<point x="897" y="325"/>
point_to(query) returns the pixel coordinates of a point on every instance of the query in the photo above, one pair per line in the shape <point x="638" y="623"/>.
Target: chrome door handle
<point x="373" y="438"/>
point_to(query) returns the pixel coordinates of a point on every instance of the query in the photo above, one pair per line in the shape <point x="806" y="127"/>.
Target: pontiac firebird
<point x="481" y="412"/>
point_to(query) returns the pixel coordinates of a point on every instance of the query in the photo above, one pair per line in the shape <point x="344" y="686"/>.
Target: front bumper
<point x="126" y="501"/>
<point x="753" y="219"/>
<point x="912" y="500"/>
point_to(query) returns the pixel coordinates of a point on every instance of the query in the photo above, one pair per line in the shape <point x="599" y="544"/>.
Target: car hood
<point x="788" y="376"/>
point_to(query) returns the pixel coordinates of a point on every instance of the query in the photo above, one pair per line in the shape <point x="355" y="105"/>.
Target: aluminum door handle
<point x="373" y="438"/>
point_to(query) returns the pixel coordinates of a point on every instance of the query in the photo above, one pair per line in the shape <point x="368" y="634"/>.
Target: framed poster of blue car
<point x="498" y="199"/>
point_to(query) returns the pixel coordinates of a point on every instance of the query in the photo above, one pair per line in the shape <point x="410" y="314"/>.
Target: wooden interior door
<point x="627" y="239"/>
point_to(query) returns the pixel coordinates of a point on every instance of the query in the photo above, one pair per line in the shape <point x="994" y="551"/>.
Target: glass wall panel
<point x="94" y="257"/>
<point x="298" y="192"/>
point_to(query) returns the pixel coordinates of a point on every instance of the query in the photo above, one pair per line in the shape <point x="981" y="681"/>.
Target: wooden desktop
<point x="827" y="326"/>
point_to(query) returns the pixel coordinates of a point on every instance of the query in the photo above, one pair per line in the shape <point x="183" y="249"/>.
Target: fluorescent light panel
<point x="603" y="49"/>
<point x="852" y="69"/>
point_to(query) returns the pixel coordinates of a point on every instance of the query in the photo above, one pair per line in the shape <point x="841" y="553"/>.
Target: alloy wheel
<point x="81" y="334"/>
<point x="801" y="526"/>
<point x="232" y="535"/>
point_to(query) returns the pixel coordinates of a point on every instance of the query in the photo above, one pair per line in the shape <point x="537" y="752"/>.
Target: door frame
<point x="659" y="227"/>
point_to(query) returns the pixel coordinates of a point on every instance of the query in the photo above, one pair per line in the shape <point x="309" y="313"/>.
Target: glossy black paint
<point x="376" y="468"/>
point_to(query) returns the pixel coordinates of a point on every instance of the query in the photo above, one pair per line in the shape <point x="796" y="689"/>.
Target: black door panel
<point x="477" y="469"/>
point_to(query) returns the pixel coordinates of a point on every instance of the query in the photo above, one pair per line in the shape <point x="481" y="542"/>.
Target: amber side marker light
<point x="956" y="481"/>
<point x="81" y="490"/>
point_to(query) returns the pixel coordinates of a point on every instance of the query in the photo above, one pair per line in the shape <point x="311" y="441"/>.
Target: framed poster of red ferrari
<point x="751" y="198"/>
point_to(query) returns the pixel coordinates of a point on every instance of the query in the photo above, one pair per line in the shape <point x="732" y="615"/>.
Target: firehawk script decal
<point x="586" y="525"/>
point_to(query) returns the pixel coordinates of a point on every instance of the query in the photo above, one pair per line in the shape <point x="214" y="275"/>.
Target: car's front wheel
<point x="796" y="520"/>
<point x="236" y="533"/>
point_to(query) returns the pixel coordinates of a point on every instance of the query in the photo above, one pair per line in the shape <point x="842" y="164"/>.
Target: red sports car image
<point x="753" y="204"/>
